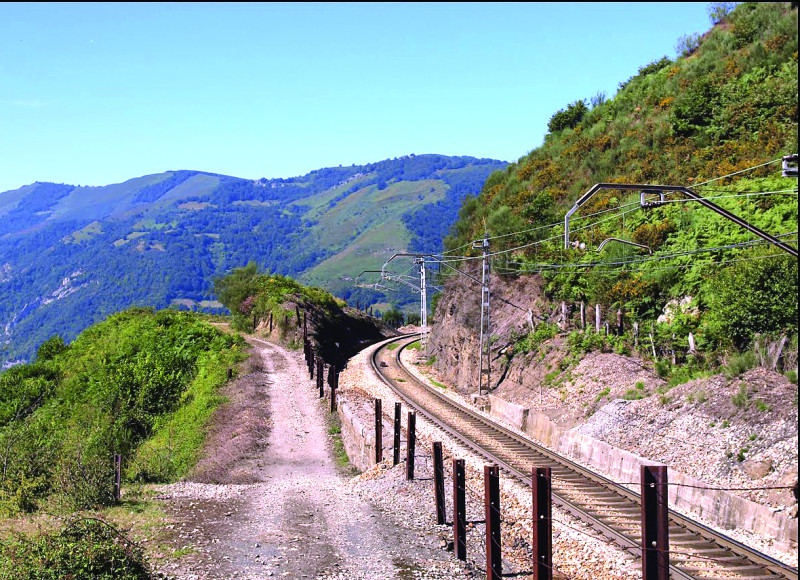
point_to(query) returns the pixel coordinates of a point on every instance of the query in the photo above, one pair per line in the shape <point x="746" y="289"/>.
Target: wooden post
<point x="438" y="483"/>
<point x="320" y="381"/>
<point x="564" y="320"/>
<point x="297" y="313"/>
<point x="229" y="374"/>
<point x="491" y="484"/>
<point x="597" y="318"/>
<point x="583" y="316"/>
<point x="270" y="322"/>
<point x="396" y="442"/>
<point x="542" y="524"/>
<point x="378" y="431"/>
<point x="333" y="399"/>
<point x="117" y="477"/>
<point x="620" y="328"/>
<point x="636" y="334"/>
<point x="655" y="523"/>
<point x="411" y="444"/>
<point x="459" y="510"/>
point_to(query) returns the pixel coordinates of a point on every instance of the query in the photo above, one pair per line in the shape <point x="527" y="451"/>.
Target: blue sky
<point x="92" y="94"/>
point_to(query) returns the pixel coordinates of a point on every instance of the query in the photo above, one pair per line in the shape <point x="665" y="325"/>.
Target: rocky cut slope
<point x="733" y="427"/>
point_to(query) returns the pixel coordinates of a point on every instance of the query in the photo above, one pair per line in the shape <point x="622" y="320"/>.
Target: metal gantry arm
<point x="659" y="190"/>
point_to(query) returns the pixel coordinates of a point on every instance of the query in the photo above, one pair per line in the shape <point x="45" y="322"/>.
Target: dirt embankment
<point x="739" y="432"/>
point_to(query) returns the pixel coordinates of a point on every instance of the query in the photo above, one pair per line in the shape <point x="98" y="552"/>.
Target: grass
<point x="438" y="384"/>
<point x="339" y="453"/>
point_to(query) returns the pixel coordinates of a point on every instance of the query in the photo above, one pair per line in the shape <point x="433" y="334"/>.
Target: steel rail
<point x="738" y="552"/>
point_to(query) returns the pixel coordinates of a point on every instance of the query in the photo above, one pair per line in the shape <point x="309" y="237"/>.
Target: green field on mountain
<point x="70" y="256"/>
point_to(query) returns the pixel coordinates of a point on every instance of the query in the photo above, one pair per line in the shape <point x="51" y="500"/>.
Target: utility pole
<point x="423" y="299"/>
<point x="485" y="356"/>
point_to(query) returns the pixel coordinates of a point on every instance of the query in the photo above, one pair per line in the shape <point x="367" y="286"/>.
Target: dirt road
<point x="296" y="517"/>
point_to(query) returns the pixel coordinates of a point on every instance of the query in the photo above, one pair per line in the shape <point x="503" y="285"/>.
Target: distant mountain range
<point x="70" y="256"/>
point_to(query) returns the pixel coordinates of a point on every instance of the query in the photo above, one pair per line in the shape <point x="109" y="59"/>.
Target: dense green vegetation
<point x="727" y="105"/>
<point x="142" y="384"/>
<point x="86" y="548"/>
<point x="70" y="256"/>
<point x="253" y="295"/>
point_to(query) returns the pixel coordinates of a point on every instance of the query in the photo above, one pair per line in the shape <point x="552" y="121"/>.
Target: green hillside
<point x="141" y="383"/>
<point x="719" y="118"/>
<point x="70" y="256"/>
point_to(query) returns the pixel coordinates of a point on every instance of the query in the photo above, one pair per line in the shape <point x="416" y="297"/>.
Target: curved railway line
<point x="696" y="551"/>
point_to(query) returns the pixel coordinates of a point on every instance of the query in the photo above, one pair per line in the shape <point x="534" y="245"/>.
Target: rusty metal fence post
<point x="438" y="483"/>
<point x="411" y="444"/>
<point x="378" y="430"/>
<point x="459" y="509"/>
<point x="396" y="443"/>
<point x="542" y="524"/>
<point x="491" y="486"/>
<point x="655" y="523"/>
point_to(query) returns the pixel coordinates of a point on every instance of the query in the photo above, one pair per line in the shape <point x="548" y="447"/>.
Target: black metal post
<point x="459" y="509"/>
<point x="378" y="431"/>
<point x="438" y="482"/>
<point x="542" y="524"/>
<point x="396" y="443"/>
<point x="411" y="444"/>
<point x="491" y="486"/>
<point x="655" y="523"/>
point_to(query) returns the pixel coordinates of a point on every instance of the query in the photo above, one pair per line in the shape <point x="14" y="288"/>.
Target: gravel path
<point x="300" y="519"/>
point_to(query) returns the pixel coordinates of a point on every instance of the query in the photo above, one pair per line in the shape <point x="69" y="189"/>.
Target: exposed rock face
<point x="455" y="335"/>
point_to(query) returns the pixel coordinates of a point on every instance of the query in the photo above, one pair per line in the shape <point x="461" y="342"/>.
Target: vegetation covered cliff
<point x="718" y="119"/>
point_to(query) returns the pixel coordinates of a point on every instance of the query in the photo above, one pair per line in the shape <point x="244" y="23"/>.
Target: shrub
<point x="757" y="296"/>
<point x="568" y="118"/>
<point x="535" y="338"/>
<point x="742" y="398"/>
<point x="50" y="348"/>
<point x="740" y="363"/>
<point x="87" y="548"/>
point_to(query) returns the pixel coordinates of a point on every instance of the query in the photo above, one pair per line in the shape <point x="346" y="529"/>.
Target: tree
<point x="754" y="297"/>
<point x="393" y="317"/>
<point x="568" y="118"/>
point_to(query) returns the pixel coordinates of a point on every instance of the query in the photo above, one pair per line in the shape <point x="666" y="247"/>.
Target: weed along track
<point x="609" y="508"/>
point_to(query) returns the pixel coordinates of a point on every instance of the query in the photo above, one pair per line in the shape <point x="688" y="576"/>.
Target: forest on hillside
<point x="71" y="256"/>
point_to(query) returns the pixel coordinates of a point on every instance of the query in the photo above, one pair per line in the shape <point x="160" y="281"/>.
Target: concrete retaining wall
<point x="721" y="508"/>
<point x="358" y="439"/>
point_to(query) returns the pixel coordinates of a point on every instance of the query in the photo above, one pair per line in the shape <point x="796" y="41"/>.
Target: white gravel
<point x="577" y="552"/>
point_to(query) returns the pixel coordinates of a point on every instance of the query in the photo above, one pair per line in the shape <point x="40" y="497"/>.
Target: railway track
<point x="696" y="551"/>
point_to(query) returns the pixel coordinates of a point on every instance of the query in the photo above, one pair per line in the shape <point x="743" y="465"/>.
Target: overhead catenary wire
<point x="637" y="204"/>
<point x="579" y="265"/>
